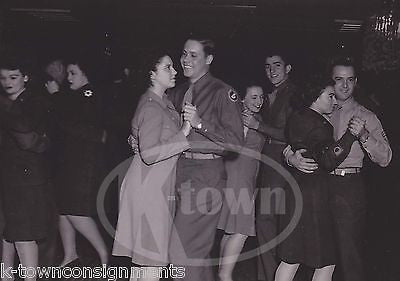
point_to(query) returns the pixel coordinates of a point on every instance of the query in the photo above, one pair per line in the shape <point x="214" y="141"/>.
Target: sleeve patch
<point x="88" y="93"/>
<point x="337" y="150"/>
<point x="233" y="96"/>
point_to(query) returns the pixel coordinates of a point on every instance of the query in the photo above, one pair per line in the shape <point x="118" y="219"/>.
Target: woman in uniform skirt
<point x="80" y="168"/>
<point x="147" y="197"/>
<point x="312" y="243"/>
<point x="237" y="215"/>
<point x="24" y="166"/>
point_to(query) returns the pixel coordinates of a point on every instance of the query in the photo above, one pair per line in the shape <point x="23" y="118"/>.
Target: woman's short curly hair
<point x="313" y="88"/>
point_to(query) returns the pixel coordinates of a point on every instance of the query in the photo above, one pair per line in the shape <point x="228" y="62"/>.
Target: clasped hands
<point x="249" y="120"/>
<point x="190" y="115"/>
<point x="356" y="127"/>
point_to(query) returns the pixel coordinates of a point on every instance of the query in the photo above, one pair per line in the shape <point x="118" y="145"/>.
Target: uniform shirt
<point x="219" y="109"/>
<point x="158" y="132"/>
<point x="376" y="146"/>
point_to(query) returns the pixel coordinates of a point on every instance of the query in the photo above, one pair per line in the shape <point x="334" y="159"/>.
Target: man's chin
<point x="187" y="73"/>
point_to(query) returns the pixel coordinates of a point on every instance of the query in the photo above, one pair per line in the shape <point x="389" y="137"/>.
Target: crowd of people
<point x="196" y="166"/>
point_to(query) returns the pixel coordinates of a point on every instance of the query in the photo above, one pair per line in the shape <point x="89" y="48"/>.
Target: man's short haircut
<point x="208" y="44"/>
<point x="279" y="53"/>
<point x="342" y="61"/>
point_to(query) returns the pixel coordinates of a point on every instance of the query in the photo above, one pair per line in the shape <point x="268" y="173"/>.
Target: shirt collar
<point x="281" y="86"/>
<point x="348" y="104"/>
<point x="202" y="80"/>
<point x="163" y="101"/>
<point x="21" y="97"/>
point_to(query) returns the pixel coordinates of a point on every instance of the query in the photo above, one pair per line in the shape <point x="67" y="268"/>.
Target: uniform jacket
<point x="81" y="156"/>
<point x="146" y="207"/>
<point x="156" y="126"/>
<point x="218" y="107"/>
<point x="23" y="123"/>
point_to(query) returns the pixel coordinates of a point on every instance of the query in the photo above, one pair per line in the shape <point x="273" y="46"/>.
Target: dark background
<point x="311" y="31"/>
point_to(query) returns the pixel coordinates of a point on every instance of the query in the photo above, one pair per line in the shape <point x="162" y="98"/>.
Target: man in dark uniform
<point x="275" y="113"/>
<point x="347" y="189"/>
<point x="212" y="108"/>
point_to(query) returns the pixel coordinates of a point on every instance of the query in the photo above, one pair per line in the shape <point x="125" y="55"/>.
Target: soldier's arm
<point x="376" y="143"/>
<point x="328" y="153"/>
<point x="152" y="148"/>
<point x="269" y="131"/>
<point x="276" y="132"/>
<point x="229" y="133"/>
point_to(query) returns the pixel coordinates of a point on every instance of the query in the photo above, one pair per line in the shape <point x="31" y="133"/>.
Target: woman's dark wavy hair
<point x="13" y="62"/>
<point x="251" y="83"/>
<point x="313" y="88"/>
<point x="146" y="63"/>
<point x="86" y="63"/>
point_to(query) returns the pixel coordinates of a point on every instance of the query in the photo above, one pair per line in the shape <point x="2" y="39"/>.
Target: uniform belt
<point x="272" y="141"/>
<point x="345" y="171"/>
<point x="200" y="156"/>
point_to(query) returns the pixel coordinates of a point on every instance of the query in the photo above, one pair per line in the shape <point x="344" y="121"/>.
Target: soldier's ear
<point x="288" y="68"/>
<point x="152" y="75"/>
<point x="26" y="78"/>
<point x="209" y="59"/>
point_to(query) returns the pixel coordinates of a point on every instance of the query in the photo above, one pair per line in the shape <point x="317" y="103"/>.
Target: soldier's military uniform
<point x="201" y="174"/>
<point x="347" y="187"/>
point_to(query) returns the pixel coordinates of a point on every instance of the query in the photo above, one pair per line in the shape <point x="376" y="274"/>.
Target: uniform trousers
<point x="348" y="206"/>
<point x="199" y="191"/>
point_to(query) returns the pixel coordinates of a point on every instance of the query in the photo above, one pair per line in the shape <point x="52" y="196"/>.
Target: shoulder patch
<point x="338" y="150"/>
<point x="233" y="96"/>
<point x="88" y="93"/>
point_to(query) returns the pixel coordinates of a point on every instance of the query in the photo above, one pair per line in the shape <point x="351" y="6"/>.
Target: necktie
<point x="272" y="97"/>
<point x="187" y="98"/>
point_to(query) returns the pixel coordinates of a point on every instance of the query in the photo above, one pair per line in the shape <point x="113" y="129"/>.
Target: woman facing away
<point x="147" y="197"/>
<point x="312" y="243"/>
<point x="237" y="214"/>
<point x="81" y="161"/>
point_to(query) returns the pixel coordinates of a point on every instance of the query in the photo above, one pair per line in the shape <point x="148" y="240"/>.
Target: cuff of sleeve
<point x="205" y="126"/>
<point x="348" y="138"/>
<point x="369" y="143"/>
<point x="287" y="152"/>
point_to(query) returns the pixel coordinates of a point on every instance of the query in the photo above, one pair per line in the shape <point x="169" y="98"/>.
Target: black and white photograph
<point x="199" y="140"/>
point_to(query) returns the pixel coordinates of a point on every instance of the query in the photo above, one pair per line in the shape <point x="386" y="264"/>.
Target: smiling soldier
<point x="212" y="108"/>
